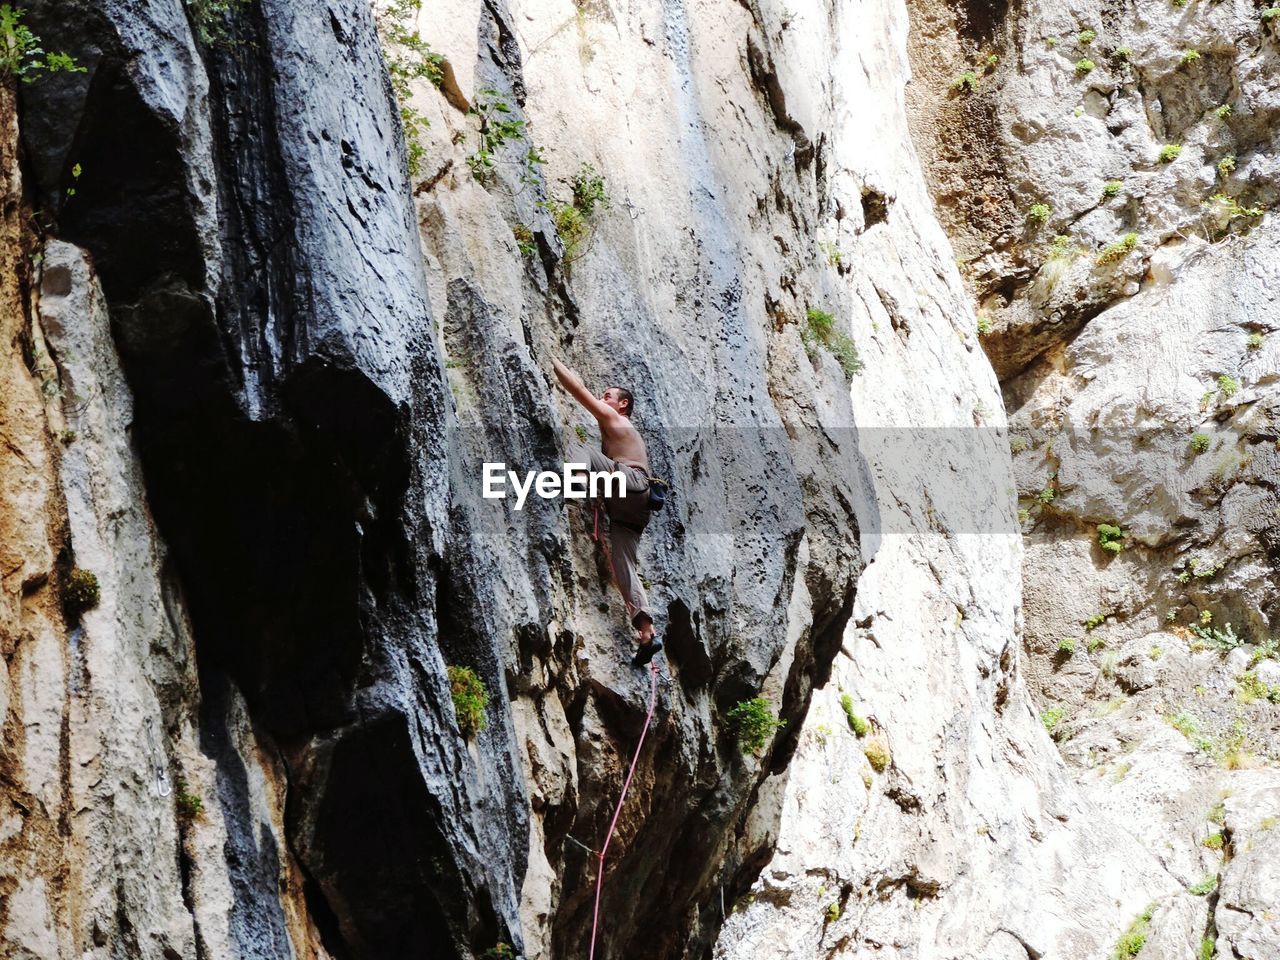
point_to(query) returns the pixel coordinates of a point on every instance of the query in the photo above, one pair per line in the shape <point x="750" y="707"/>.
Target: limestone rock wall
<point x="1131" y="320"/>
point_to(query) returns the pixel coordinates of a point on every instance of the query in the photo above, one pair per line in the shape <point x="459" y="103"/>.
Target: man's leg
<point x="624" y="548"/>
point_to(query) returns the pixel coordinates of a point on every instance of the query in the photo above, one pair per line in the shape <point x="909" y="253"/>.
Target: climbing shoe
<point x="646" y="652"/>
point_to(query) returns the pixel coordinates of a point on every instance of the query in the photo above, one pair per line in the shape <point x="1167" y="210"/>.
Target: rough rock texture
<point x="1140" y="390"/>
<point x="248" y="747"/>
<point x="280" y="689"/>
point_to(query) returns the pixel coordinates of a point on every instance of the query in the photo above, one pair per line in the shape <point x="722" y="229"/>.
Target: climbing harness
<point x="653" y="698"/>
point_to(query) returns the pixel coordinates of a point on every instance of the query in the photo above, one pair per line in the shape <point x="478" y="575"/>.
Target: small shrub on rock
<point x="470" y="698"/>
<point x="877" y="754"/>
<point x="1190" y="56"/>
<point x="1223" y="111"/>
<point x="1067" y="646"/>
<point x="754" y="722"/>
<point x="1270" y="14"/>
<point x="1039" y="212"/>
<point x="820" y="331"/>
<point x="1228" y="387"/>
<point x="1110" y="537"/>
<point x="1169" y="152"/>
<point x="1087" y="37"/>
<point x="1134" y="939"/>
<point x="80" y="592"/>
<point x="1084" y="66"/>
<point x="1111" y="188"/>
<point x="1226" y="166"/>
<point x="1255" y="341"/>
<point x="966" y="82"/>
<point x="1051" y="718"/>
<point x="857" y="723"/>
<point x="1114" y="252"/>
<point x="1199" y="443"/>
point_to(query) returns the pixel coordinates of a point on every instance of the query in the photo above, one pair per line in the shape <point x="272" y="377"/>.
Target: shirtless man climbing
<point x="623" y="451"/>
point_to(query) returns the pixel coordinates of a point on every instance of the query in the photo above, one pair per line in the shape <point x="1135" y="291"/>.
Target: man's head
<point x="620" y="399"/>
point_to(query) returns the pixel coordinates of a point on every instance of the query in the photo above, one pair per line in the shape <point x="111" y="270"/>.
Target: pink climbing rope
<point x="653" y="697"/>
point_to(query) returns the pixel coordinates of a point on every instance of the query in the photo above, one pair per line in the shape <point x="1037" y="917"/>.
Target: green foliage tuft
<point x="1270" y="14"/>
<point x="1226" y="166"/>
<point x="832" y="913"/>
<point x="1111" y="188"/>
<point x="80" y="592"/>
<point x="1205" y="886"/>
<point x="1084" y="66"/>
<point x="1086" y="37"/>
<point x="1227" y="386"/>
<point x="858" y="724"/>
<point x="1255" y="341"/>
<point x="211" y="19"/>
<point x="409" y="59"/>
<point x="470" y="698"/>
<point x="1169" y="152"/>
<point x="1067" y="646"/>
<point x="966" y="82"/>
<point x="877" y="753"/>
<point x="1118" y="250"/>
<point x="1214" y="841"/>
<point x="1223" y="111"/>
<point x="754" y="723"/>
<point x="524" y="239"/>
<point x="984" y="324"/>
<point x="1199" y="443"/>
<point x="190" y="805"/>
<point x="1039" y="212"/>
<point x="1051" y="718"/>
<point x="1190" y="56"/>
<point x="21" y="56"/>
<point x="1124" y="52"/>
<point x="1110" y="537"/>
<point x="1134" y="939"/>
<point x="820" y="332"/>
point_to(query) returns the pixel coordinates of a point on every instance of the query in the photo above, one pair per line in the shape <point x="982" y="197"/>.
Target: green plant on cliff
<point x="877" y="753"/>
<point x="1110" y="537"/>
<point x="966" y="82"/>
<point x="409" y="59"/>
<point x="1270" y="14"/>
<point x="1227" y="166"/>
<point x="501" y="951"/>
<point x="1199" y="443"/>
<point x="820" y="332"/>
<point x="470" y="698"/>
<point x="1039" y="212"/>
<point x="1116" y="251"/>
<point x="1111" y="188"/>
<point x="1190" y="56"/>
<point x="1169" y="152"/>
<point x="80" y="592"/>
<point x="211" y="20"/>
<point x="498" y="127"/>
<point x="1223" y="111"/>
<point x="1254" y="342"/>
<point x="857" y="723"/>
<point x="754" y="723"/>
<point x="1227" y="386"/>
<point x="1051" y="718"/>
<point x="1086" y="37"/>
<point x="573" y="218"/>
<point x="21" y="56"/>
<point x="1084" y="66"/>
<point x="1134" y="939"/>
<point x="190" y="805"/>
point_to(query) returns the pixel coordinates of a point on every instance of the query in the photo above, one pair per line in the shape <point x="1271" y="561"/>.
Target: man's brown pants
<point x="628" y="516"/>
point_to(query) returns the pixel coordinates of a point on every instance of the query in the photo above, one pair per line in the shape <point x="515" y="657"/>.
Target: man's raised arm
<point x="595" y="406"/>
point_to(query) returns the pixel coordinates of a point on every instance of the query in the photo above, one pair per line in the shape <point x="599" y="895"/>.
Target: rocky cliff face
<point x="1103" y="173"/>
<point x="313" y="373"/>
<point x="253" y="369"/>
